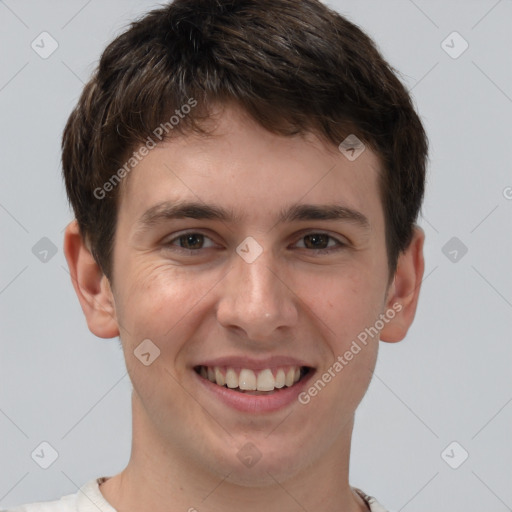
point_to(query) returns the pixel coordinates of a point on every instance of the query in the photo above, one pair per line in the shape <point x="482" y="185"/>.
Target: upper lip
<point x="253" y="363"/>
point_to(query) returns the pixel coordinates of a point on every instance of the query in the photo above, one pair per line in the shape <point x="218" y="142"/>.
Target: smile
<point x="253" y="382"/>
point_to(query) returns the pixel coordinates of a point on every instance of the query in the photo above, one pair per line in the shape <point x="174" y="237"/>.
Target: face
<point x="259" y="297"/>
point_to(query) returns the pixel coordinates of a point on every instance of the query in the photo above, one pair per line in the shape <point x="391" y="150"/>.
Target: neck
<point x="162" y="478"/>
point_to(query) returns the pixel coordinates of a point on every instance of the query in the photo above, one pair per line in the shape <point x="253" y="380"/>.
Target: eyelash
<point x="339" y="244"/>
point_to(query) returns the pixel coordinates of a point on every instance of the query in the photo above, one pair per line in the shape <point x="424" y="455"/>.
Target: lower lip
<point x="256" y="403"/>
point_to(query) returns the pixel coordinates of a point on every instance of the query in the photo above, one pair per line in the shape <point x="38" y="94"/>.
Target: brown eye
<point x="317" y="241"/>
<point x="191" y="241"/>
<point x="321" y="242"/>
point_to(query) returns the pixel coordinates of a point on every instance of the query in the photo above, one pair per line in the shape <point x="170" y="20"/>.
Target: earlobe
<point x="404" y="292"/>
<point x="90" y="284"/>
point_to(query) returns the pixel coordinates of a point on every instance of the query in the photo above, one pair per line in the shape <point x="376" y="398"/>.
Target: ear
<point x="403" y="293"/>
<point x="91" y="285"/>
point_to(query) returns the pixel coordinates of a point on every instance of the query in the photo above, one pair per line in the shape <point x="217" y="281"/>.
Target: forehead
<point x="251" y="173"/>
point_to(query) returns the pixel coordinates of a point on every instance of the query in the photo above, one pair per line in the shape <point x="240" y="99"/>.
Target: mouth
<point x="267" y="381"/>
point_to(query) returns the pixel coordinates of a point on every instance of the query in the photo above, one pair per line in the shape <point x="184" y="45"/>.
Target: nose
<point x="257" y="300"/>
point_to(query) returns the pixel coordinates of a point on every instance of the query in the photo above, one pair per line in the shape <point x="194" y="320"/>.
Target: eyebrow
<point x="168" y="210"/>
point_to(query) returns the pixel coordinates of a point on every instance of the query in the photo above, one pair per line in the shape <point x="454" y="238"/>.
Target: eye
<point x="190" y="241"/>
<point x="193" y="241"/>
<point x="321" y="242"/>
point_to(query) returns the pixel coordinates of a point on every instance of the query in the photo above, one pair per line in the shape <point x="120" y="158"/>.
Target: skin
<point x="290" y="301"/>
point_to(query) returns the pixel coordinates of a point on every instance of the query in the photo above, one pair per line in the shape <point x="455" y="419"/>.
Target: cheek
<point x="347" y="301"/>
<point x="157" y="299"/>
<point x="159" y="305"/>
<point x="162" y="300"/>
<point x="348" y="307"/>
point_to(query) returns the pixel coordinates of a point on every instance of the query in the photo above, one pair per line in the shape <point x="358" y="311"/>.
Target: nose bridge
<point x="259" y="286"/>
<point x="254" y="298"/>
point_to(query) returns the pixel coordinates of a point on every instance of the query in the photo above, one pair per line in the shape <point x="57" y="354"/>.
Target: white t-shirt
<point x="90" y="499"/>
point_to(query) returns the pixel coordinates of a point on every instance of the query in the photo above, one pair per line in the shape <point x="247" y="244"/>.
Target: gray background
<point x="450" y="380"/>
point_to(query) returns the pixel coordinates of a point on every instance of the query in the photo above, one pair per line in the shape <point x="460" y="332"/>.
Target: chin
<point x="263" y="465"/>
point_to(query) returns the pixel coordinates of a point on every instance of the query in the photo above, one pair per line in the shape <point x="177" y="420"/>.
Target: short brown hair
<point x="292" y="65"/>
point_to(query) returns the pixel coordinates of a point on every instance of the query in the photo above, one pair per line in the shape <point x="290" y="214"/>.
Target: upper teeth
<point x="248" y="380"/>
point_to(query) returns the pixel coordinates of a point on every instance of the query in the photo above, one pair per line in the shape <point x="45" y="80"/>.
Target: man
<point x="245" y="178"/>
